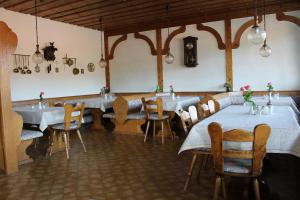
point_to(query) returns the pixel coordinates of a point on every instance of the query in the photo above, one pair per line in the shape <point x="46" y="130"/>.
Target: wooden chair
<point x="73" y="119"/>
<point x="154" y="112"/>
<point x="193" y="114"/>
<point x="237" y="162"/>
<point x="207" y="106"/>
<point x="186" y="121"/>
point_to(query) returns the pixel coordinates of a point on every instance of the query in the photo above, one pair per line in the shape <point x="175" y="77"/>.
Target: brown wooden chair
<point x="207" y="106"/>
<point x="237" y="162"/>
<point x="73" y="119"/>
<point x="154" y="112"/>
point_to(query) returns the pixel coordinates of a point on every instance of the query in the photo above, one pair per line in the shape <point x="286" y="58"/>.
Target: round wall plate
<point x="75" y="71"/>
<point x="91" y="67"/>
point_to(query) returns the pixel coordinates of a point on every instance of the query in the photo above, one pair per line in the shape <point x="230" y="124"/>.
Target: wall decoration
<point x="190" y="51"/>
<point x="49" y="52"/>
<point x="21" y="64"/>
<point x="69" y="61"/>
<point x="75" y="71"/>
<point x="49" y="68"/>
<point x="37" y="68"/>
<point x="82" y="71"/>
<point x="91" y="67"/>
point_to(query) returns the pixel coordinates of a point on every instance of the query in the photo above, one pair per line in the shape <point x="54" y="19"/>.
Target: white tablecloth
<point x="179" y="103"/>
<point x="42" y="117"/>
<point x="284" y="138"/>
<point x="98" y="102"/>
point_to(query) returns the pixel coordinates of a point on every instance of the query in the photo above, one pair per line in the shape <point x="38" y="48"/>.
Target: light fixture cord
<point x="265" y="23"/>
<point x="168" y="19"/>
<point x="101" y="37"/>
<point x="36" y="24"/>
<point x="255" y="12"/>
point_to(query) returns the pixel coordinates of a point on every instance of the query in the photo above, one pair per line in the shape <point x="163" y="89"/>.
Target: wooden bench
<point x="28" y="137"/>
<point x="127" y="116"/>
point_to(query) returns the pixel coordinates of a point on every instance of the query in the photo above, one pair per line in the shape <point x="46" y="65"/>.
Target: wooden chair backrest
<point x="193" y="114"/>
<point x="215" y="106"/>
<point x="258" y="138"/>
<point x="153" y="106"/>
<point x="73" y="114"/>
<point x="186" y="121"/>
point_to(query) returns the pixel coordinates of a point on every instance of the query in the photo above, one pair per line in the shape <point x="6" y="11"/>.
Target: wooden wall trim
<point x="148" y="40"/>
<point x="280" y="16"/>
<point x="10" y="135"/>
<point x="181" y="29"/>
<point x="228" y="51"/>
<point x="107" y="69"/>
<point x="241" y="30"/>
<point x="115" y="44"/>
<point x="159" y="62"/>
<point x="215" y="33"/>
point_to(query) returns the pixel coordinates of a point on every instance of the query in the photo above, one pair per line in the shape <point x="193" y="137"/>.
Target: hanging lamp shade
<point x="102" y="61"/>
<point x="265" y="50"/>
<point x="169" y="58"/>
<point x="257" y="34"/>
<point x="37" y="57"/>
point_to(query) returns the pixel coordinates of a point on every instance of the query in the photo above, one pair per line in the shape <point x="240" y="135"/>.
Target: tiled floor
<point x="118" y="167"/>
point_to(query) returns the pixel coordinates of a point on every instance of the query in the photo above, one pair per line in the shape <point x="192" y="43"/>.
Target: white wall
<point x="282" y="68"/>
<point x="78" y="42"/>
<point x="134" y="70"/>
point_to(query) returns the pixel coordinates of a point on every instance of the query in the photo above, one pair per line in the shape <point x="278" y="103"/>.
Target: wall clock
<point x="190" y="51"/>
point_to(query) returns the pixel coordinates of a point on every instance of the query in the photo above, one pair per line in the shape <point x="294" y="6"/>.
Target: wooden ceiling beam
<point x="183" y="11"/>
<point x="193" y="19"/>
<point x="136" y="13"/>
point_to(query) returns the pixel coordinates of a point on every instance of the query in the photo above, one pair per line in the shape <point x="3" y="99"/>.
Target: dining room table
<point x="284" y="137"/>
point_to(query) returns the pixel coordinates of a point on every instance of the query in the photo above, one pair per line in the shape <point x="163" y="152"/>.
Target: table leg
<point x="22" y="156"/>
<point x="97" y="119"/>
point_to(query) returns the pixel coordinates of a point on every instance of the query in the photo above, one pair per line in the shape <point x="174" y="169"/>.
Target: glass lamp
<point x="37" y="57"/>
<point x="265" y="50"/>
<point x="257" y="34"/>
<point x="169" y="58"/>
<point x="102" y="62"/>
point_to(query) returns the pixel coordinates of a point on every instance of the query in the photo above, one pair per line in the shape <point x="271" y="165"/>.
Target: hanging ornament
<point x="102" y="62"/>
<point x="37" y="57"/>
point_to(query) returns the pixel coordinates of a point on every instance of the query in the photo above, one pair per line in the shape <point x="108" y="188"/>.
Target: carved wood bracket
<point x="221" y="44"/>
<point x="148" y="40"/>
<point x="171" y="36"/>
<point x="241" y="30"/>
<point x="116" y="43"/>
<point x="280" y="16"/>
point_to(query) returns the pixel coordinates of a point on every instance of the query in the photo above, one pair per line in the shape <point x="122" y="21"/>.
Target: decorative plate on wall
<point x="91" y="67"/>
<point x="75" y="71"/>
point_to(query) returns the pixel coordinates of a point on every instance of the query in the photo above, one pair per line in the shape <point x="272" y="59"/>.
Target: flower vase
<point x="40" y="105"/>
<point x="173" y="95"/>
<point x="269" y="98"/>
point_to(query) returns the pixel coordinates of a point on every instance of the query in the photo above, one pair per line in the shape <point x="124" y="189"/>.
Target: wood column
<point x="160" y="73"/>
<point x="106" y="50"/>
<point x="228" y="51"/>
<point x="10" y="122"/>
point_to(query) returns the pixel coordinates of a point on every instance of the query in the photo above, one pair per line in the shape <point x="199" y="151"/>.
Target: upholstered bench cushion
<point x="233" y="165"/>
<point x="137" y="115"/>
<point x="224" y="102"/>
<point x="155" y="117"/>
<point x="109" y="115"/>
<point x="73" y="126"/>
<point x="30" y="134"/>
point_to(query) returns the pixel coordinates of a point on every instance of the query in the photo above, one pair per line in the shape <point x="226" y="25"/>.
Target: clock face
<point x="189" y="46"/>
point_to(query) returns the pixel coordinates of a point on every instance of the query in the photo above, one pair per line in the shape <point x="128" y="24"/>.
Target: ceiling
<point x="122" y="16"/>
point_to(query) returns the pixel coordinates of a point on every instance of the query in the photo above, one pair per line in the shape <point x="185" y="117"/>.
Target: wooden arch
<point x="171" y="36"/>
<point x="10" y="123"/>
<point x="280" y="16"/>
<point x="148" y="40"/>
<point x="215" y="33"/>
<point x="114" y="46"/>
<point x="241" y="30"/>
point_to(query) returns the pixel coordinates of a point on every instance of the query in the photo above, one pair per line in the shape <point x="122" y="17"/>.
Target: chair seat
<point x="241" y="166"/>
<point x="73" y="126"/>
<point x="137" y="115"/>
<point x="109" y="115"/>
<point x="155" y="116"/>
<point x="30" y="134"/>
<point x="202" y="150"/>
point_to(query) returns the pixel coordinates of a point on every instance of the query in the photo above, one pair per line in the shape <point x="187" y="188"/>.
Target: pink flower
<point x="242" y="89"/>
<point x="269" y="83"/>
<point x="247" y="87"/>
<point x="42" y="93"/>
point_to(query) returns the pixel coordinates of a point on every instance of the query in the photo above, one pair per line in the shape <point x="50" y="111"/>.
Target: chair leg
<point x="217" y="188"/>
<point x="256" y="189"/>
<point x="162" y="132"/>
<point x="194" y="159"/>
<point x="224" y="188"/>
<point x="51" y="138"/>
<point x="147" y="129"/>
<point x="169" y="127"/>
<point x="66" y="144"/>
<point x="68" y="136"/>
<point x="153" y="129"/>
<point x="80" y="138"/>
<point x="202" y="156"/>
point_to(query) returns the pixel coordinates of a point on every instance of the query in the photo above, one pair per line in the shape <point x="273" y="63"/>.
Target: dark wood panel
<point x="122" y="16"/>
